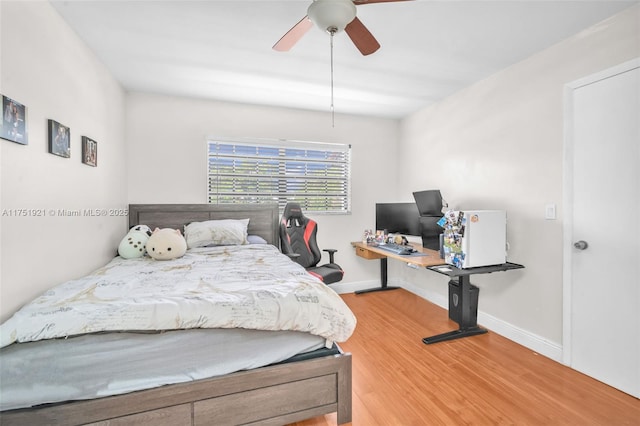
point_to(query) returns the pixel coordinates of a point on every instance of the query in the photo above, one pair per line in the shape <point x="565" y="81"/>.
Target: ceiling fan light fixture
<point x="332" y="15"/>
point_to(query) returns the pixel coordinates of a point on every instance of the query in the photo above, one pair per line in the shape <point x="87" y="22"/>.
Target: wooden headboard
<point x="263" y="218"/>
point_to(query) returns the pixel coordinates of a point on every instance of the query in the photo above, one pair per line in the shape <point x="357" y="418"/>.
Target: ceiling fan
<point x="334" y="16"/>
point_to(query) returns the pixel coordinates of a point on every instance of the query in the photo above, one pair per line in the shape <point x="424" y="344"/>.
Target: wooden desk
<point x="429" y="258"/>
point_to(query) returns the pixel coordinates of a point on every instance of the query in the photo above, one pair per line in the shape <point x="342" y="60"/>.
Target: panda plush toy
<point x="134" y="243"/>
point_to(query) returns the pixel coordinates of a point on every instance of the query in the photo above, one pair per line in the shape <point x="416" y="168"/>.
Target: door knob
<point x="581" y="245"/>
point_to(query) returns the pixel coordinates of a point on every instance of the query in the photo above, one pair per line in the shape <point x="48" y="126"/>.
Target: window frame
<point x="285" y="177"/>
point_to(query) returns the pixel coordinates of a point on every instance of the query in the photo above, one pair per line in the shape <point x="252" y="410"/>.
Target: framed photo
<point x="59" y="139"/>
<point x="13" y="126"/>
<point x="89" y="151"/>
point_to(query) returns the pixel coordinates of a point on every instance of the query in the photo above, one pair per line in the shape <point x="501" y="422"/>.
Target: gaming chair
<point x="298" y="241"/>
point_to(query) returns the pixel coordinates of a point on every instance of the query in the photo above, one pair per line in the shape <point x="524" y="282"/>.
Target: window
<point x="316" y="175"/>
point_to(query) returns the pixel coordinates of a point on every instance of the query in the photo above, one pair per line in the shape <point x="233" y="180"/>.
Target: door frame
<point x="567" y="195"/>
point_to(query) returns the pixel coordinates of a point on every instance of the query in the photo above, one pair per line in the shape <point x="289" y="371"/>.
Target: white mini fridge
<point x="475" y="238"/>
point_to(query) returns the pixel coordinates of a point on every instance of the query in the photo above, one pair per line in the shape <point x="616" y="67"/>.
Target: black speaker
<point x="455" y="307"/>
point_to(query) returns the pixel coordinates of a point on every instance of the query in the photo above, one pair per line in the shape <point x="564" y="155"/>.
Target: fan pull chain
<point x="333" y="120"/>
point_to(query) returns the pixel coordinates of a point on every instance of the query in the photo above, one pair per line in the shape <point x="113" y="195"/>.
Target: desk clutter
<point x="397" y="244"/>
<point x="383" y="237"/>
<point x="464" y="238"/>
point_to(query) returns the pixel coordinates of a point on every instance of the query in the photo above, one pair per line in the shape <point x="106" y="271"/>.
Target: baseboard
<point x="431" y="296"/>
<point x="523" y="337"/>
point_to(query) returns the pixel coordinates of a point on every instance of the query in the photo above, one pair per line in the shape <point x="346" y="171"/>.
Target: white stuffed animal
<point x="134" y="243"/>
<point x="166" y="244"/>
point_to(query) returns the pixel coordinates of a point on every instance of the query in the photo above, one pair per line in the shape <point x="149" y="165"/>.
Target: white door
<point x="602" y="233"/>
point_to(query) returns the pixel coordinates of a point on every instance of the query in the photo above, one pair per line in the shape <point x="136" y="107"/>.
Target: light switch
<point x="550" y="211"/>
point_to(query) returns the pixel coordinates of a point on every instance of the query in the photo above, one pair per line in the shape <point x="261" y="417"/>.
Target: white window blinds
<point x="316" y="175"/>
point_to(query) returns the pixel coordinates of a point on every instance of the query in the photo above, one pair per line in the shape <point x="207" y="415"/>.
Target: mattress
<point x="247" y="286"/>
<point x="104" y="364"/>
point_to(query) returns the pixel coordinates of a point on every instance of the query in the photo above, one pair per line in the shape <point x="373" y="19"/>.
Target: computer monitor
<point x="398" y="218"/>
<point x="429" y="202"/>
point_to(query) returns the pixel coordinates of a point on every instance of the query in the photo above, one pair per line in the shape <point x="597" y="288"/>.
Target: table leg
<point x="468" y="325"/>
<point x="383" y="280"/>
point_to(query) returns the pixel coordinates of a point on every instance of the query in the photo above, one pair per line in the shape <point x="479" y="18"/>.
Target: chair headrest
<point x="292" y="211"/>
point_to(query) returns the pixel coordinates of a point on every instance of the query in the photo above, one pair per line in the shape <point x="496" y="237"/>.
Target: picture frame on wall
<point x="89" y="151"/>
<point x="13" y="126"/>
<point x="59" y="139"/>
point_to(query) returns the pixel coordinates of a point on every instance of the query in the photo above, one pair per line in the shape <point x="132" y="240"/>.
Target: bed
<point x="314" y="380"/>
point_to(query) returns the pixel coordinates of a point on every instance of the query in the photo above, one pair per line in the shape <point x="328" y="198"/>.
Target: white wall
<point x="498" y="144"/>
<point x="166" y="154"/>
<point x="47" y="68"/>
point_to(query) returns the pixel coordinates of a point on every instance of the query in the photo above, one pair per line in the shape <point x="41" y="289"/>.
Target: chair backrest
<point x="298" y="235"/>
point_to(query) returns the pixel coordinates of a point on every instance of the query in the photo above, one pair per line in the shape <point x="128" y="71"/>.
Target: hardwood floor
<point x="479" y="380"/>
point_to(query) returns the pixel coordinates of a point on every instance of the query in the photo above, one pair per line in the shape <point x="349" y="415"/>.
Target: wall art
<point x="14" y="121"/>
<point x="59" y="139"/>
<point x="89" y="151"/>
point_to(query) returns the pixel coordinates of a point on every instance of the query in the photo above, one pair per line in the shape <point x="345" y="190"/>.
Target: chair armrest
<point x="331" y="253"/>
<point x="293" y="255"/>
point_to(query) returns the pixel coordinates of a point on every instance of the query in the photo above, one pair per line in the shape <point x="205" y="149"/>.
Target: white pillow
<point x="225" y="232"/>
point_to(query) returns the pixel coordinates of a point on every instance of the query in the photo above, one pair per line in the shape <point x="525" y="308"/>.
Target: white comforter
<point x="249" y="286"/>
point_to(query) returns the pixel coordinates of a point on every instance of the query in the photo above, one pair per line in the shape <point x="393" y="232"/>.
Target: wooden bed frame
<point x="271" y="395"/>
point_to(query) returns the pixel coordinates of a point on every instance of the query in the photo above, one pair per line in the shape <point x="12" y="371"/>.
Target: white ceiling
<point x="222" y="49"/>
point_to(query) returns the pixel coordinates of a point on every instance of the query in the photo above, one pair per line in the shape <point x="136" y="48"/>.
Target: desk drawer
<point x="368" y="254"/>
